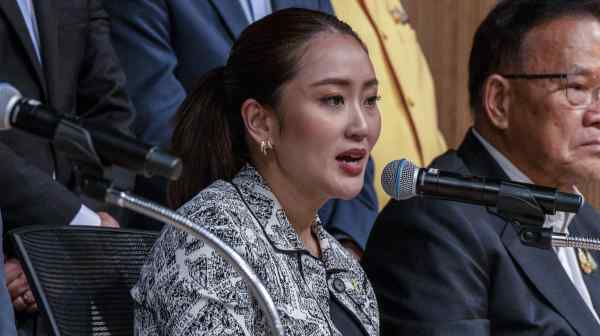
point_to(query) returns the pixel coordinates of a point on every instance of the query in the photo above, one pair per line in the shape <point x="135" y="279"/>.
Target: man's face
<point x="552" y="141"/>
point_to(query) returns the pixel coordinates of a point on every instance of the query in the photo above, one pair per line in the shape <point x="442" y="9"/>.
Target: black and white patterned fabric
<point x="186" y="288"/>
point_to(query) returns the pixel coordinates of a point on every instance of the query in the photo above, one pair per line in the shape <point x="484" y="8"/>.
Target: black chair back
<point x="81" y="276"/>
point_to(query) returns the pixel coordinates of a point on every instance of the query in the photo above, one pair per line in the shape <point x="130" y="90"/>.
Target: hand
<point x="107" y="220"/>
<point x="20" y="292"/>
<point x="353" y="248"/>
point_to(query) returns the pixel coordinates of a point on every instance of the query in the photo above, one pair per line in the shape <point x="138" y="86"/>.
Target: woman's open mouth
<point x="351" y="161"/>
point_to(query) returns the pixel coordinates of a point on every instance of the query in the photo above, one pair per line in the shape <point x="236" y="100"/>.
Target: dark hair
<point x="498" y="42"/>
<point x="209" y="134"/>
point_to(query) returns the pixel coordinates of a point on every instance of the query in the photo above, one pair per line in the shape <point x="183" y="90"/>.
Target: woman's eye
<point x="333" y="101"/>
<point x="372" y="101"/>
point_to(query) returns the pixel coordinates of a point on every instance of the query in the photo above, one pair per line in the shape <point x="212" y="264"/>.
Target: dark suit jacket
<point x="7" y="318"/>
<point x="79" y="75"/>
<point x="447" y="268"/>
<point x="165" y="46"/>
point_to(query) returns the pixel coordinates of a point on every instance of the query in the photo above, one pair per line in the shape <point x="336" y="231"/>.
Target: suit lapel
<point x="13" y="13"/>
<point x="46" y="16"/>
<point x="542" y="267"/>
<point x="232" y="14"/>
<point x="546" y="273"/>
<point x="584" y="224"/>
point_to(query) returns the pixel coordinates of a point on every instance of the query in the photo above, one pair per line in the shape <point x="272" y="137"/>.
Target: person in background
<point x="165" y="46"/>
<point x="447" y="268"/>
<point x="58" y="52"/>
<point x="408" y="112"/>
<point x="286" y="124"/>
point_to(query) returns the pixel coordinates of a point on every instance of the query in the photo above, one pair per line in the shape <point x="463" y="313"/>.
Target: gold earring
<point x="265" y="146"/>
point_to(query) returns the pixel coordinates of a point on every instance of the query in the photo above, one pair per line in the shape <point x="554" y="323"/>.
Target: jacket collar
<point x="536" y="264"/>
<point x="267" y="210"/>
<point x="342" y="270"/>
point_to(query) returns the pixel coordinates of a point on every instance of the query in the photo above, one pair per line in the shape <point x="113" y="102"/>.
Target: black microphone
<point x="111" y="147"/>
<point x="401" y="179"/>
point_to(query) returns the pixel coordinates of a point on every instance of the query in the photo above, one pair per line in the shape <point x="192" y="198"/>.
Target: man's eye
<point x="577" y="87"/>
<point x="333" y="101"/>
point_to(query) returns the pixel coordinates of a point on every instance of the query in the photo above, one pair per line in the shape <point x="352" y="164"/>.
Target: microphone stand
<point x="163" y="214"/>
<point x="75" y="141"/>
<point x="527" y="217"/>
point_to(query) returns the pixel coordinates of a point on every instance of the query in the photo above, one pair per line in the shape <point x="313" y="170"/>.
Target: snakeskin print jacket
<point x="186" y="288"/>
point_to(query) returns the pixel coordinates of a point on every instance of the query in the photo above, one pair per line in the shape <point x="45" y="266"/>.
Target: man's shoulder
<point x="429" y="216"/>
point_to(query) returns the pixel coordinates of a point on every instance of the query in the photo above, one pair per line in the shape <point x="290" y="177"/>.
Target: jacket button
<point x="339" y="286"/>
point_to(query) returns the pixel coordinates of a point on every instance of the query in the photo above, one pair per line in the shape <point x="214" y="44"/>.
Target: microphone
<point x="111" y="147"/>
<point x="401" y="179"/>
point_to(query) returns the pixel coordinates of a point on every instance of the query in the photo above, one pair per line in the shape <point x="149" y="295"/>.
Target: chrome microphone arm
<point x="163" y="214"/>
<point x="563" y="240"/>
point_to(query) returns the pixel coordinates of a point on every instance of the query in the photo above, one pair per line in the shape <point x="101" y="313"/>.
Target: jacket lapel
<point x="46" y="15"/>
<point x="542" y="267"/>
<point x="267" y="211"/>
<point x="232" y="14"/>
<point x="347" y="282"/>
<point x="547" y="275"/>
<point x="584" y="224"/>
<point x="13" y="14"/>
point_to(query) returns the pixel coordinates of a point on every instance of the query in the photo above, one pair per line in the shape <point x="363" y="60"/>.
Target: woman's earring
<point x="265" y="146"/>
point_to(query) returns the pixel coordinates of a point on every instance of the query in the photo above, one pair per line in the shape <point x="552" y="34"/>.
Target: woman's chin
<point x="348" y="191"/>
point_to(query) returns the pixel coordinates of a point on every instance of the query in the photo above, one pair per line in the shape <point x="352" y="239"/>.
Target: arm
<point x="31" y="196"/>
<point x="144" y="45"/>
<point x="188" y="288"/>
<point x="429" y="269"/>
<point x="353" y="218"/>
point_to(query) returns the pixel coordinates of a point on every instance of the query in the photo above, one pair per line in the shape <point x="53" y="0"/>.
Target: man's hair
<point x="498" y="42"/>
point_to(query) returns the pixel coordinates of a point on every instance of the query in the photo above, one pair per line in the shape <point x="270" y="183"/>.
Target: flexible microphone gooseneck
<point x="107" y="145"/>
<point x="401" y="179"/>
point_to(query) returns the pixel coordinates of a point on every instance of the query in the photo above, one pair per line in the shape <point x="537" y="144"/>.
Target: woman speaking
<point x="266" y="140"/>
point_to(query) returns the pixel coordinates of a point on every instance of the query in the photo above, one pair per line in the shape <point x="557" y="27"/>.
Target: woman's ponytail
<point x="208" y="137"/>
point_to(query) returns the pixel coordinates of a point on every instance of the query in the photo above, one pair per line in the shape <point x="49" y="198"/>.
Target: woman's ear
<point x="259" y="120"/>
<point x="497" y="101"/>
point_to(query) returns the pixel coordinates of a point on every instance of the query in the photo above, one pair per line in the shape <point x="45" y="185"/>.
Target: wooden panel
<point x="445" y="30"/>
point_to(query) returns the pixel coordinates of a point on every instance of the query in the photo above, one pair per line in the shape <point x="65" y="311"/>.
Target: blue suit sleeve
<point x="354" y="217"/>
<point x="141" y="32"/>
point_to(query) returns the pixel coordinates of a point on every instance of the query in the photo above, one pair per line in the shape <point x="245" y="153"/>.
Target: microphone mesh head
<point x="8" y="97"/>
<point x="399" y="179"/>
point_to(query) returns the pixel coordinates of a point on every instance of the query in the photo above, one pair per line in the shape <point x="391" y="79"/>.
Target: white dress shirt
<point x="559" y="223"/>
<point x="85" y="216"/>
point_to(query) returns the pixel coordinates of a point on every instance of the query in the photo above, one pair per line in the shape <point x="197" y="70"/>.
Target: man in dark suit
<point x="165" y="46"/>
<point x="58" y="52"/>
<point x="447" y="268"/>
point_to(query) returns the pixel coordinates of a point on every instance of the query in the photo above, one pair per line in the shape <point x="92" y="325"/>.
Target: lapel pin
<point x="586" y="261"/>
